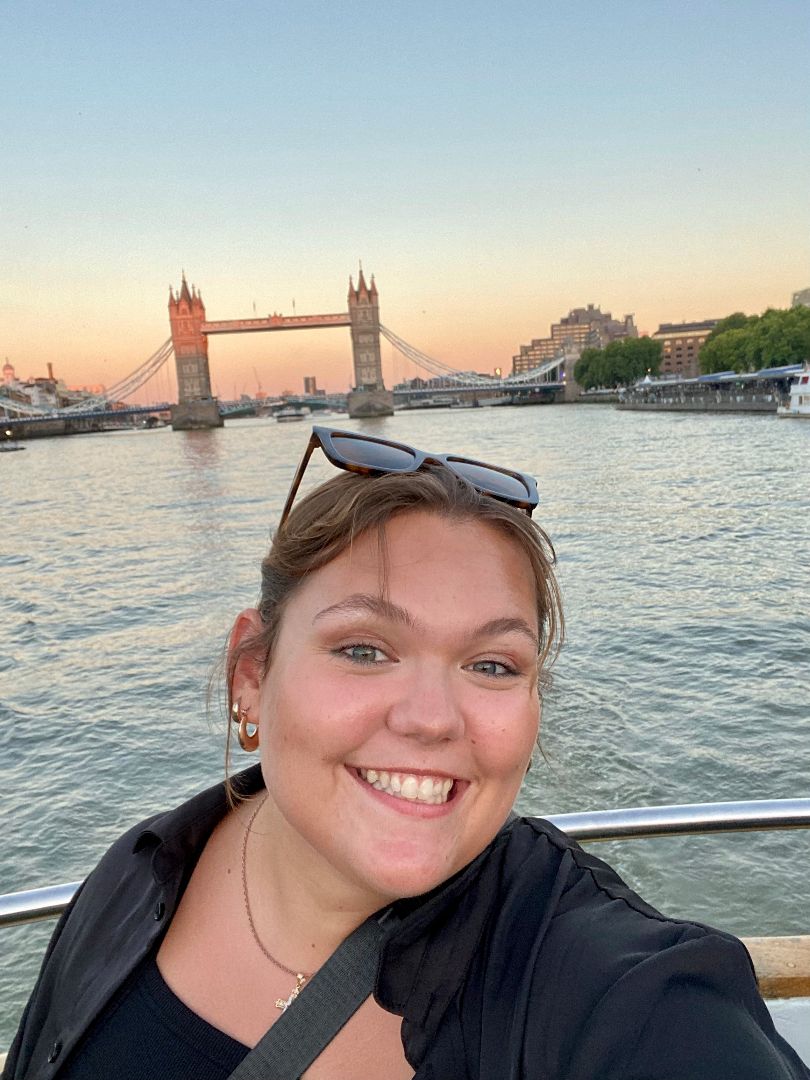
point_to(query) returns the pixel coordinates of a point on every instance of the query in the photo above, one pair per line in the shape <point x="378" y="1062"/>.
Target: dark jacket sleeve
<point x="690" y="1012"/>
<point x="9" y="1069"/>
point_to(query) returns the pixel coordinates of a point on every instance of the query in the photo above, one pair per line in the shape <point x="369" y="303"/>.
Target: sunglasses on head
<point x="372" y="456"/>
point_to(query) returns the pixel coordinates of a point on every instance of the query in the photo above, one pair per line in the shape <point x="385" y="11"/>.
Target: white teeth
<point x="410" y="787"/>
<point x="426" y="789"/>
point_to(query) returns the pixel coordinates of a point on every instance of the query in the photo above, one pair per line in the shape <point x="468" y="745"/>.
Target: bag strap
<point x="330" y="998"/>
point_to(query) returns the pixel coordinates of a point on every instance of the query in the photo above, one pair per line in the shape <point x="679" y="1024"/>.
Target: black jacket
<point x="536" y="962"/>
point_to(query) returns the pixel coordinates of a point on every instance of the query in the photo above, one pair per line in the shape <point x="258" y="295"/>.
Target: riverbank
<point x="727" y="392"/>
<point x="56" y="426"/>
<point x="699" y="405"/>
<point x="597" y="397"/>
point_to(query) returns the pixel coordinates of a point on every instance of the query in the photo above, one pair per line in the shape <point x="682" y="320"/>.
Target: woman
<point x="389" y="679"/>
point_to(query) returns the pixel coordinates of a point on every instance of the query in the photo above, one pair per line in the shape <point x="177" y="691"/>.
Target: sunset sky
<point x="492" y="165"/>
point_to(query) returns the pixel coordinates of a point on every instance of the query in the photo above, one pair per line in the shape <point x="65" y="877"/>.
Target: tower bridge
<point x="197" y="408"/>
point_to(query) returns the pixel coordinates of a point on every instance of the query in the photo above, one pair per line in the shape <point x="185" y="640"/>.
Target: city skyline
<point x="492" y="170"/>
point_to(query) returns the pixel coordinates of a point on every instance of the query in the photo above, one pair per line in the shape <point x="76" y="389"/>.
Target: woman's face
<point x="396" y="724"/>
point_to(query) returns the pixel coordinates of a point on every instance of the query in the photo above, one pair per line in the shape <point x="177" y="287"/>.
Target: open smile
<point x="414" y="787"/>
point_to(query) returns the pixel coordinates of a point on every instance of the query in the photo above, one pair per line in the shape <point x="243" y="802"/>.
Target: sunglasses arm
<point x="314" y="441"/>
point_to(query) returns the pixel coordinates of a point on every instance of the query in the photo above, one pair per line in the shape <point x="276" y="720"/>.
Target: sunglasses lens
<point x="374" y="455"/>
<point x="491" y="481"/>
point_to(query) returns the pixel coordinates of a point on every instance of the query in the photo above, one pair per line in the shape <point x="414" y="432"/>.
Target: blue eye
<point x="363" y="654"/>
<point x="492" y="667"/>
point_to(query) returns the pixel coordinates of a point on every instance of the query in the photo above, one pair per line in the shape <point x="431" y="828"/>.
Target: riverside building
<point x="582" y="328"/>
<point x="41" y="391"/>
<point x="680" y="346"/>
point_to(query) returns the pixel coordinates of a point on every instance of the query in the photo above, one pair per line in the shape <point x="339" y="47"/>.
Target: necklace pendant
<point x="284" y="1004"/>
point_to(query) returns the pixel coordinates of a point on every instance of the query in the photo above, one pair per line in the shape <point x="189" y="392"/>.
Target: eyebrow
<point x="508" y="626"/>
<point x="367" y="603"/>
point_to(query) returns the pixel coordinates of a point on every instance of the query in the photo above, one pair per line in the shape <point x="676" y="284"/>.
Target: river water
<point x="683" y="546"/>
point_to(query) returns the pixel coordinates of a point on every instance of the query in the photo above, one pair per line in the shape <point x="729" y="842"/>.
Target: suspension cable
<point x="433" y="366"/>
<point x="468" y="378"/>
<point x="120" y="390"/>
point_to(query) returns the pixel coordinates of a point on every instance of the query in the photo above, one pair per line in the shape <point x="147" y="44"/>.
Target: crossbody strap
<point x="330" y="998"/>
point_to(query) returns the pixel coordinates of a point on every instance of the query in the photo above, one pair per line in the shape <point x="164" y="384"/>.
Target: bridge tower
<point x="369" y="396"/>
<point x="195" y="407"/>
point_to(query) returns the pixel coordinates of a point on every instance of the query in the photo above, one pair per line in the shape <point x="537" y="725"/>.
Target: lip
<point x="405" y="806"/>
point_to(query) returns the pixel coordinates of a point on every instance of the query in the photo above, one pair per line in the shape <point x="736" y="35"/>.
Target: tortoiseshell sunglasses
<point x="372" y="456"/>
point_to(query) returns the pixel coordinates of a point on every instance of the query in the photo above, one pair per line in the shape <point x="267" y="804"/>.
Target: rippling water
<point x="683" y="551"/>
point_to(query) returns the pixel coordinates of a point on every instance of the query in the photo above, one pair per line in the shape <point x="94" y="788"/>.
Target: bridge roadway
<point x="92" y="420"/>
<point x="69" y="423"/>
<point x="274" y="322"/>
<point x="89" y="414"/>
<point x="495" y="387"/>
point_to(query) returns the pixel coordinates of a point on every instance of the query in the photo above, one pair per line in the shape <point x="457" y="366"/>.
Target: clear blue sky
<point x="493" y="165"/>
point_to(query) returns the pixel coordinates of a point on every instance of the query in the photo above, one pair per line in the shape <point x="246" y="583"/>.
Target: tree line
<point x="620" y="363"/>
<point x="738" y="343"/>
<point x="752" y="342"/>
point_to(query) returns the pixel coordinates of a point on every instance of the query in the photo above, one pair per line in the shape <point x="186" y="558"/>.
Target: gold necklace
<point x="300" y="977"/>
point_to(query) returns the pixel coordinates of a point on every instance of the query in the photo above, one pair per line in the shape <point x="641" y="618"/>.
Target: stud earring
<point x="248" y="739"/>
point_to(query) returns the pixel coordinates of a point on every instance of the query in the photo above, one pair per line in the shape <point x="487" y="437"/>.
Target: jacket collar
<point x="177" y="837"/>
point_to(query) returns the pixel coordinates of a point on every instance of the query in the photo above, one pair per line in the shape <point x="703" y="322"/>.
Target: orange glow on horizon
<point x="467" y="330"/>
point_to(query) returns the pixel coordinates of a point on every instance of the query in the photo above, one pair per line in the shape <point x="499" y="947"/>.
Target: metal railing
<point x="637" y="823"/>
<point x="690" y="819"/>
<point x="35" y="904"/>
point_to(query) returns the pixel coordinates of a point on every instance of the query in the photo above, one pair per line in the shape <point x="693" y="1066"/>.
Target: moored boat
<point x="798" y="405"/>
<point x="291" y="413"/>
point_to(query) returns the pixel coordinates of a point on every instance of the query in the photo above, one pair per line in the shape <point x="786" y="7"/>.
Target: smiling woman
<point x="391" y="679"/>
<point x="399" y="688"/>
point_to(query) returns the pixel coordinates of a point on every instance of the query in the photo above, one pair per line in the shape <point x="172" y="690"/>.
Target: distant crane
<point x="259" y="391"/>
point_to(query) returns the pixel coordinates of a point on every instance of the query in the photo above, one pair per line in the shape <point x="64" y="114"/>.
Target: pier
<point x="727" y="392"/>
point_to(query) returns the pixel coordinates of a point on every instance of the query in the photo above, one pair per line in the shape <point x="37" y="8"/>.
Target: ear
<point x="244" y="663"/>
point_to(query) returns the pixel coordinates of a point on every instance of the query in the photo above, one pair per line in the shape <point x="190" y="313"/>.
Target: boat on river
<point x="9" y="443"/>
<point x="434" y="401"/>
<point x="291" y="413"/>
<point x="798" y="405"/>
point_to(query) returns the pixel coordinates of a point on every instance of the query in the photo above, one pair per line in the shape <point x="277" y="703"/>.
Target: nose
<point x="427" y="707"/>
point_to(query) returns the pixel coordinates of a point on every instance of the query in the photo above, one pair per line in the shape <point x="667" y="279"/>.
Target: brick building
<point x="680" y="346"/>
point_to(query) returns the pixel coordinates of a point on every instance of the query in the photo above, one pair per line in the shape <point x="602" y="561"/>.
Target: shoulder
<point x="116" y="917"/>
<point x="585" y="884"/>
<point x="592" y="915"/>
<point x="629" y="988"/>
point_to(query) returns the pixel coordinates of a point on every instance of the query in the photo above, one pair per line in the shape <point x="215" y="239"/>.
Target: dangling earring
<point x="248" y="740"/>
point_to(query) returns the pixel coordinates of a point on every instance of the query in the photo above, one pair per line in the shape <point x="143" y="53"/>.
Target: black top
<point x="148" y="1033"/>
<point x="535" y="962"/>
